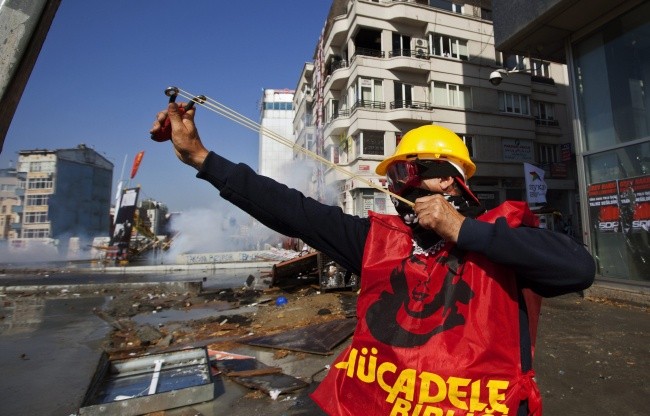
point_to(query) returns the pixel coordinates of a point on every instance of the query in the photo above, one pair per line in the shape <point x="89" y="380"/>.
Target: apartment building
<point x="8" y="198"/>
<point x="63" y="193"/>
<point x="382" y="68"/>
<point x="276" y="116"/>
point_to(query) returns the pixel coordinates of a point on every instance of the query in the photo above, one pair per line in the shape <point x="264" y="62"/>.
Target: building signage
<point x="620" y="205"/>
<point x="559" y="170"/>
<point x="565" y="152"/>
<point x="517" y="150"/>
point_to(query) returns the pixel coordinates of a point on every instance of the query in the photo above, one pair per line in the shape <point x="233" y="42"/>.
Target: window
<point x="36" y="233"/>
<point x="40" y="166"/>
<point x="540" y="68"/>
<point x="447" y="5"/>
<point x="545" y="114"/>
<point x="401" y="45"/>
<point x="403" y="95"/>
<point x="36" y="200"/>
<point x="398" y="138"/>
<point x="449" y="47"/>
<point x="514" y="62"/>
<point x="369" y="200"/>
<point x="310" y="142"/>
<point x="513" y="103"/>
<point x="39" y="183"/>
<point x="547" y="153"/>
<point x="7" y="187"/>
<point x="278" y="106"/>
<point x="369" y="143"/>
<point x="469" y="142"/>
<point x="332" y="153"/>
<point x="332" y="110"/>
<point x="36" y="217"/>
<point x="486" y="14"/>
<point x="369" y="93"/>
<point x="452" y="95"/>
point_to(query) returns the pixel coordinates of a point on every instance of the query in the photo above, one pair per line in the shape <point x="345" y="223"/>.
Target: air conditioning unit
<point x="420" y="43"/>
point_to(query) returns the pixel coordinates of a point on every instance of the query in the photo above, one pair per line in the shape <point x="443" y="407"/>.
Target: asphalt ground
<point x="591" y="359"/>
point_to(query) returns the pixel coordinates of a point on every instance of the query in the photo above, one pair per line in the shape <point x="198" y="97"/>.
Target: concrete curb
<point x="636" y="295"/>
<point x="172" y="268"/>
<point x="192" y="287"/>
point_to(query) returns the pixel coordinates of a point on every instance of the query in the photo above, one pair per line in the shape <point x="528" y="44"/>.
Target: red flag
<point x="136" y="164"/>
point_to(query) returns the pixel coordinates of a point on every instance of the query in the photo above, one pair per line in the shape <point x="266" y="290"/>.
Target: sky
<point x="101" y="73"/>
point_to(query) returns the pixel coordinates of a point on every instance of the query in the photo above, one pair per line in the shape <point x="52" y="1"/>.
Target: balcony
<point x="17" y="209"/>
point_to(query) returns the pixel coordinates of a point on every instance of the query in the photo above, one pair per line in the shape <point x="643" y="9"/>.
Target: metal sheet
<point x="279" y="382"/>
<point x="315" y="339"/>
<point x="149" y="383"/>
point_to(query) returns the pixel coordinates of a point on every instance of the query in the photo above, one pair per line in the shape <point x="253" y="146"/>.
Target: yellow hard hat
<point x="431" y="142"/>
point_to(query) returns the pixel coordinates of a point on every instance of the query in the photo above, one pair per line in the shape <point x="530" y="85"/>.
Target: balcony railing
<point x="415" y="53"/>
<point x="369" y="52"/>
<point x="542" y="80"/>
<point x="338" y="65"/>
<point x="546" y="122"/>
<point x="375" y="105"/>
<point x="418" y="105"/>
<point x="341" y="114"/>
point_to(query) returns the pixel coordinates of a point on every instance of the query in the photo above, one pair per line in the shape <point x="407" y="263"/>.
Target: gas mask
<point x="405" y="178"/>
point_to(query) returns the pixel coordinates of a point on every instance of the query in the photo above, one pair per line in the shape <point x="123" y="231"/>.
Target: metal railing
<point x="546" y="122"/>
<point x="341" y="114"/>
<point x="413" y="53"/>
<point x="338" y="65"/>
<point x="375" y="105"/>
<point x="417" y="105"/>
<point x="369" y="52"/>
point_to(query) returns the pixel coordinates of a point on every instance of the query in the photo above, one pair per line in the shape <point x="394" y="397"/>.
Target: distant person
<point x="450" y="294"/>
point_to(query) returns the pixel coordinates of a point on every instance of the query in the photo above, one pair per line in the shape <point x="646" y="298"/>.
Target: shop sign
<point x="517" y="150"/>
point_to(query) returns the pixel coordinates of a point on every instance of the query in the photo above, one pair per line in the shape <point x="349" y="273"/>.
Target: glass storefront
<point x="612" y="74"/>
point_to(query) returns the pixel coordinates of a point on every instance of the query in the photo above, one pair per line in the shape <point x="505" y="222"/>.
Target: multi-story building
<point x="8" y="198"/>
<point x="63" y="193"/>
<point x="276" y="120"/>
<point x="385" y="67"/>
<point x="606" y="45"/>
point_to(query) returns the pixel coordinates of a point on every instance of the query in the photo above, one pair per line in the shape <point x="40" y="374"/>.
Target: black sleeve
<point x="324" y="227"/>
<point x="548" y="262"/>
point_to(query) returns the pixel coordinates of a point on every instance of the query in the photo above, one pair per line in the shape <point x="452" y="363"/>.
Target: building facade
<point x="8" y="198"/>
<point x="276" y="116"/>
<point x="62" y="193"/>
<point x="382" y="68"/>
<point x="606" y="45"/>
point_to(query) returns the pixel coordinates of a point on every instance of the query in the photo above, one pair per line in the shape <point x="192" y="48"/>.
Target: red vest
<point x="438" y="335"/>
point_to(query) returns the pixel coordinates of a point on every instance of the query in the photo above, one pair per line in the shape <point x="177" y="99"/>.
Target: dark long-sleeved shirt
<point x="548" y="262"/>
